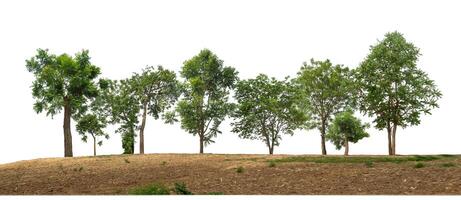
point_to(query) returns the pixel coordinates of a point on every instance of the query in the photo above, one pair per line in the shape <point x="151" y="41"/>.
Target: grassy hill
<point x="234" y="174"/>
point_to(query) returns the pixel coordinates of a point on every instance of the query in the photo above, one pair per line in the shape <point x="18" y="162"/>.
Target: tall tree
<point x="62" y="82"/>
<point x="346" y="128"/>
<point x="392" y="88"/>
<point x="206" y="90"/>
<point x="267" y="108"/>
<point x="156" y="90"/>
<point x="328" y="89"/>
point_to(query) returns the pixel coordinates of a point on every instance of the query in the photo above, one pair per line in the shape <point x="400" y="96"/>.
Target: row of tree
<point x="387" y="86"/>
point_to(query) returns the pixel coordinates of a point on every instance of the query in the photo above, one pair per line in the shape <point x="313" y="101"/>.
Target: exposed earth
<point x="217" y="173"/>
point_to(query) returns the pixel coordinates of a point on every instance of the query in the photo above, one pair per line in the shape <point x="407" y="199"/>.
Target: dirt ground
<point x="217" y="173"/>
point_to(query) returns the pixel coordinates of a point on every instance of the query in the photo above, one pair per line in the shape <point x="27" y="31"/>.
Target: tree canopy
<point x="346" y="128"/>
<point x="328" y="89"/>
<point x="392" y="88"/>
<point x="266" y="109"/>
<point x="206" y="91"/>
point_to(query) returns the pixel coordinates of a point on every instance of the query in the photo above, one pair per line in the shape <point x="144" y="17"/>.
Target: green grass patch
<point x="153" y="189"/>
<point x="450" y="164"/>
<point x="369" y="164"/>
<point x="181" y="189"/>
<point x="419" y="165"/>
<point x="355" y="159"/>
<point x="272" y="163"/>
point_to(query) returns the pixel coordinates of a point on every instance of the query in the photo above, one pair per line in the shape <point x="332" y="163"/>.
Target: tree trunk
<point x="323" y="133"/>
<point x="394" y="130"/>
<point x="389" y="139"/>
<point x="66" y="126"/>
<point x="141" y="130"/>
<point x="201" y="144"/>
<point x="94" y="145"/>
<point x="271" y="149"/>
<point x="346" y="151"/>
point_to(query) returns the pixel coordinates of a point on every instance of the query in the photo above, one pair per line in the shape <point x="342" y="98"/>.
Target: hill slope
<point x="202" y="174"/>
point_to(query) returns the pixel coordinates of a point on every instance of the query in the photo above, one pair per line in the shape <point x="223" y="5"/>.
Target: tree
<point x="94" y="126"/>
<point x="346" y="128"/>
<point x="124" y="109"/>
<point x="62" y="82"/>
<point x="392" y="89"/>
<point x="267" y="108"/>
<point x="156" y="90"/>
<point x="206" y="90"/>
<point x="328" y="89"/>
<point x="95" y="119"/>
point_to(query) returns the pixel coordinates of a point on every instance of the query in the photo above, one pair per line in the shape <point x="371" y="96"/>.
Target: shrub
<point x="153" y="189"/>
<point x="180" y="188"/>
<point x="240" y="169"/>
<point x="271" y="163"/>
<point x="419" y="165"/>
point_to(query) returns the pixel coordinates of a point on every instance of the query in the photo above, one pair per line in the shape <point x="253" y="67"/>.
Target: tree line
<point x="387" y="86"/>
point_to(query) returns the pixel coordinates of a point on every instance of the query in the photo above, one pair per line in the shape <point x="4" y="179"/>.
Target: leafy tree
<point x="93" y="125"/>
<point x="96" y="118"/>
<point x="62" y="82"/>
<point x="392" y="88"/>
<point x="328" y="89"/>
<point x="206" y="90"/>
<point x="267" y="108"/>
<point x="124" y="109"/>
<point x="156" y="90"/>
<point x="346" y="128"/>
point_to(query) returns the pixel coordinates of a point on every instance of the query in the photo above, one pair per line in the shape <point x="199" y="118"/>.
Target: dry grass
<point x="212" y="173"/>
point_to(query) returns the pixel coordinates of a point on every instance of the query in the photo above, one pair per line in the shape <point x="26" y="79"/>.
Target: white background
<point x="271" y="37"/>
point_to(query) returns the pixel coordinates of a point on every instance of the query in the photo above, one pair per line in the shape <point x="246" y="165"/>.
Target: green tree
<point x="93" y="125"/>
<point x="267" y="108"/>
<point x="328" y="89"/>
<point x="97" y="117"/>
<point x="62" y="82"/>
<point x="124" y="109"/>
<point x="346" y="128"/>
<point x="392" y="89"/>
<point x="206" y="90"/>
<point x="156" y="90"/>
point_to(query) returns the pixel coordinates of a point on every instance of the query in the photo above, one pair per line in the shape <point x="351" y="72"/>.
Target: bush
<point x="419" y="165"/>
<point x="181" y="189"/>
<point x="240" y="169"/>
<point x="154" y="189"/>
<point x="271" y="164"/>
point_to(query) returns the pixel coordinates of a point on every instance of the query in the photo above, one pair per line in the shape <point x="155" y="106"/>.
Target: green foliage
<point x="181" y="189"/>
<point x="272" y="163"/>
<point x="240" y="169"/>
<point x="419" y="165"/>
<point x="328" y="89"/>
<point x="61" y="80"/>
<point x="206" y="90"/>
<point x="355" y="159"/>
<point x="346" y="128"/>
<point x="156" y="89"/>
<point x="153" y="189"/>
<point x="267" y="108"/>
<point x="392" y="89"/>
<point x="369" y="164"/>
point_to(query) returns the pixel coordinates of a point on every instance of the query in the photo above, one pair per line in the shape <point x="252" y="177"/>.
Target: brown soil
<point x="217" y="173"/>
